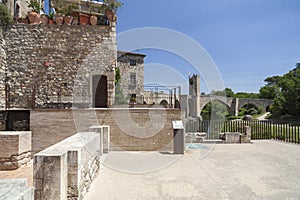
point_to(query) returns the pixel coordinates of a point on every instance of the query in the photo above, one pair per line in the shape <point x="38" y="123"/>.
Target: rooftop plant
<point x="68" y="8"/>
<point x="34" y="5"/>
<point x="113" y="5"/>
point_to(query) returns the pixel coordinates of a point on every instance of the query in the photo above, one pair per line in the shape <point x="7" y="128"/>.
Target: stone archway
<point x="215" y="109"/>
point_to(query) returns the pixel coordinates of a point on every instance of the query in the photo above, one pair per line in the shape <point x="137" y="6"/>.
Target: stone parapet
<point x="67" y="169"/>
<point x="130" y="129"/>
<point x="15" y="149"/>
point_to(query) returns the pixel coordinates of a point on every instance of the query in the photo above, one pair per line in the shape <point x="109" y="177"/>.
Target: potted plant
<point x="59" y="18"/>
<point x="68" y="10"/>
<point x="44" y="19"/>
<point x="34" y="14"/>
<point x="84" y="19"/>
<point x="23" y="20"/>
<point x="51" y="18"/>
<point x="112" y="7"/>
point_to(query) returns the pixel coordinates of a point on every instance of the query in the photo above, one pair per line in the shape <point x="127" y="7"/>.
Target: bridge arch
<point x="260" y="103"/>
<point x="220" y="108"/>
<point x="206" y="99"/>
<point x="164" y="103"/>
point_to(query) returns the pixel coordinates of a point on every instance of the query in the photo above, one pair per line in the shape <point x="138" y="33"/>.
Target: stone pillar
<point x="50" y="176"/>
<point x="246" y="136"/>
<point x="15" y="149"/>
<point x="104" y="132"/>
<point x="234" y="109"/>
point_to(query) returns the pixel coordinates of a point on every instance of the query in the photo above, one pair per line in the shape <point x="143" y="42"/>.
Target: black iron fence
<point x="260" y="129"/>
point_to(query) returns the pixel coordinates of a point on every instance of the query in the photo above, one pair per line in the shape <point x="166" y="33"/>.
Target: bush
<point x="5" y="17"/>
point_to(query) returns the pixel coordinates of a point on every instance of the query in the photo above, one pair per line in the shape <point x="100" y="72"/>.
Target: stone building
<point x="131" y="66"/>
<point x="46" y="66"/>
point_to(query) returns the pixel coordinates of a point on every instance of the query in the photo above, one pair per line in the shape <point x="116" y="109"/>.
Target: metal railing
<point x="287" y="131"/>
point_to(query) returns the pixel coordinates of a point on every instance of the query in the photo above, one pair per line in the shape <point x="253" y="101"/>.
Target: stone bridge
<point x="235" y="104"/>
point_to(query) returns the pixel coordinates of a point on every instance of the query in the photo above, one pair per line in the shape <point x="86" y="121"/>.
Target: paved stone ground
<point x="23" y="172"/>
<point x="262" y="170"/>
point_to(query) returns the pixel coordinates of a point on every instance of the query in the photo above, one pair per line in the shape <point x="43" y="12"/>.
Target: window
<point x="132" y="62"/>
<point x="132" y="82"/>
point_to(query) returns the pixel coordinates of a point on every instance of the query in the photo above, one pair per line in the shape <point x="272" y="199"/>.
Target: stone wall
<point x="15" y="149"/>
<point x="2" y="69"/>
<point x="126" y="70"/>
<point x="53" y="63"/>
<point x="131" y="129"/>
<point x="67" y="169"/>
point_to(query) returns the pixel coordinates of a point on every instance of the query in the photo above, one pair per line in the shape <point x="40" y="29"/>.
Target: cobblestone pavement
<point x="23" y="172"/>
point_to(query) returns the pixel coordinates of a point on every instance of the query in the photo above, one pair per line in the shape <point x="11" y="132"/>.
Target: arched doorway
<point x="100" y="91"/>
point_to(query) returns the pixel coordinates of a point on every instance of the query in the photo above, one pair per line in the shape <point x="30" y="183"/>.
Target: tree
<point x="119" y="97"/>
<point x="246" y="95"/>
<point x="269" y="91"/>
<point x="229" y="92"/>
<point x="226" y="92"/>
<point x="290" y="88"/>
<point x="273" y="80"/>
<point x="286" y="92"/>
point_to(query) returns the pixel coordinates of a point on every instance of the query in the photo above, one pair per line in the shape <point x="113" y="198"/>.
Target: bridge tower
<point x="194" y="92"/>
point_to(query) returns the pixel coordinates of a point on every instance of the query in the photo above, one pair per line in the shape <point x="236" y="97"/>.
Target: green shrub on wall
<point x="5" y="17"/>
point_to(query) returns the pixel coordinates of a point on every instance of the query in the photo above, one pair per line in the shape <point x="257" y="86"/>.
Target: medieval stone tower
<point x="194" y="92"/>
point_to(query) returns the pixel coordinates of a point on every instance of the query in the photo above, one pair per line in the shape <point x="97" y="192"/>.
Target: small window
<point x="132" y="62"/>
<point x="132" y="79"/>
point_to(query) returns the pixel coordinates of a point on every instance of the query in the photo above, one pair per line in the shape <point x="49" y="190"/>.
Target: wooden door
<point x="100" y="91"/>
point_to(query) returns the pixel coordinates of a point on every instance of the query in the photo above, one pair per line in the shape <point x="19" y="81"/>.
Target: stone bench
<point x="195" y="137"/>
<point x="237" y="137"/>
<point x="66" y="169"/>
<point x="15" y="149"/>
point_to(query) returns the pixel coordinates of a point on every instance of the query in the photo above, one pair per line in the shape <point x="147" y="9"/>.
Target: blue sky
<point x="248" y="40"/>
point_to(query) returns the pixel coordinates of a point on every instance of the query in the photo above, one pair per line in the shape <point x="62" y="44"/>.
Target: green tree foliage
<point x="246" y="95"/>
<point x="226" y="92"/>
<point x="269" y="91"/>
<point x="250" y="109"/>
<point x="286" y="92"/>
<point x="229" y="93"/>
<point x="5" y="17"/>
<point x="119" y="97"/>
